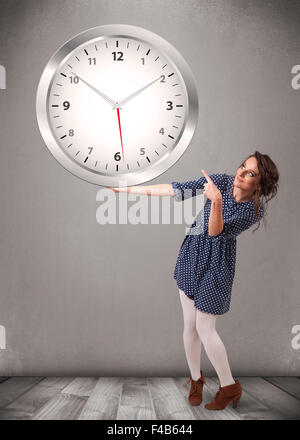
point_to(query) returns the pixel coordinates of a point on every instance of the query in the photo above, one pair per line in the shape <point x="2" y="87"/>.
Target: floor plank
<point x="135" y="402"/>
<point x="136" y="398"/>
<point x="11" y="414"/>
<point x="278" y="401"/>
<point x="12" y="388"/>
<point x="3" y="379"/>
<point x="290" y="385"/>
<point x="29" y="403"/>
<point x="81" y="386"/>
<point x="59" y="383"/>
<point x="103" y="402"/>
<point x="168" y="401"/>
<point x="61" y="407"/>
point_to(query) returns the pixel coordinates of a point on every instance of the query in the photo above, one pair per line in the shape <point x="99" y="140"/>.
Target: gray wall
<point x="78" y="298"/>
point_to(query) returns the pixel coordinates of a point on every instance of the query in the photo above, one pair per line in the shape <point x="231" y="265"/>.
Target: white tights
<point x="199" y="327"/>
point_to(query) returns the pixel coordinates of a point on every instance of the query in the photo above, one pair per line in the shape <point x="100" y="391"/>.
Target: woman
<point x="205" y="267"/>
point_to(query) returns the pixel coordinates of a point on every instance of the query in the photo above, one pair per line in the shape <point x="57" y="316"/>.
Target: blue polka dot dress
<point x="205" y="266"/>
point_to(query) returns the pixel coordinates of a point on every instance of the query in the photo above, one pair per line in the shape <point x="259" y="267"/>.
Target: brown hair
<point x="269" y="177"/>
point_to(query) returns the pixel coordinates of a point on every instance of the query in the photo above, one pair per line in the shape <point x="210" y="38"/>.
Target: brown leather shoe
<point x="225" y="395"/>
<point x="195" y="395"/>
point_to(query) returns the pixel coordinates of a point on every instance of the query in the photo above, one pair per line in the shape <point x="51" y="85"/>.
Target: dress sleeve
<point x="237" y="224"/>
<point x="191" y="188"/>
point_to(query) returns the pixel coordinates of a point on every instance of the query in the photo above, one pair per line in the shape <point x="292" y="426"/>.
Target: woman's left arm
<point x="215" y="225"/>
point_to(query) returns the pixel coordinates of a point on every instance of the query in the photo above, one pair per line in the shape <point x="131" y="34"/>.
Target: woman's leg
<point x="191" y="339"/>
<point x="214" y="347"/>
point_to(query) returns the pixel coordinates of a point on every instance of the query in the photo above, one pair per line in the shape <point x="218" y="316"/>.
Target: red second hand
<point x="118" y="111"/>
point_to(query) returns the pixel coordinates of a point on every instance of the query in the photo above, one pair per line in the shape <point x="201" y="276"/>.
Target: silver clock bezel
<point x="118" y="31"/>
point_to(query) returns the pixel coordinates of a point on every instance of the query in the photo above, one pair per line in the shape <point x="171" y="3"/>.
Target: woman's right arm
<point x="163" y="189"/>
<point x="180" y="190"/>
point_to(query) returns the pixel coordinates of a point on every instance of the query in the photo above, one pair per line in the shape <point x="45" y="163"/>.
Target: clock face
<point x="117" y="105"/>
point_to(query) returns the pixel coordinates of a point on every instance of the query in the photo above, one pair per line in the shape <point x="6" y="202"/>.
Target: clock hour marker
<point x="170" y="136"/>
<point x="179" y="105"/>
<point x="117" y="43"/>
<point x="86" y="51"/>
<point x="117" y="167"/>
<point x="63" y="136"/>
<point x="171" y="74"/>
<point x="63" y="75"/>
<point x="148" y="52"/>
<point x="148" y="159"/>
<point x="54" y="105"/>
<point x="86" y="159"/>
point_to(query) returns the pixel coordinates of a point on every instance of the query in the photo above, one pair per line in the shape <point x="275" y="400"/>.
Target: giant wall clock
<point x="117" y="105"/>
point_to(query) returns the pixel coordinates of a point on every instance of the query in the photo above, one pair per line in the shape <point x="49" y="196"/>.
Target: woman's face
<point x="247" y="175"/>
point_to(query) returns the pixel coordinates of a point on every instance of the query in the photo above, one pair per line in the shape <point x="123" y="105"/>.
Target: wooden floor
<point x="136" y="398"/>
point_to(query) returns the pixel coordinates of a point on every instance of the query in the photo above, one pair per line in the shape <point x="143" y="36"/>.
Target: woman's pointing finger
<point x="206" y="176"/>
